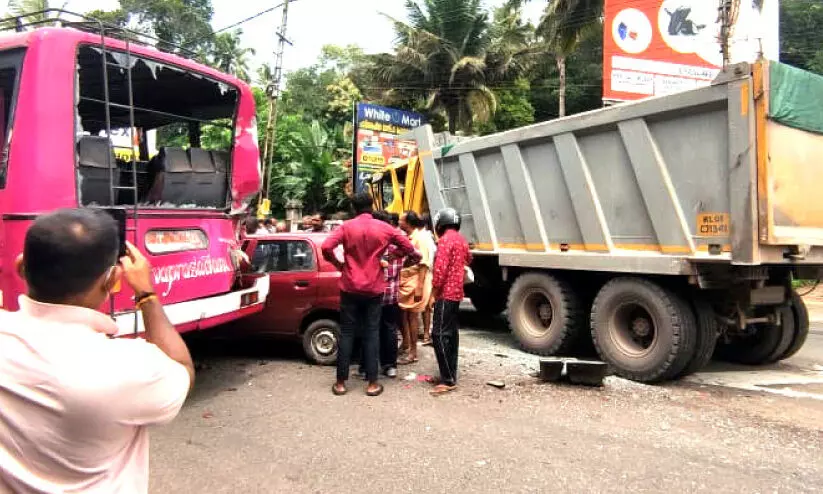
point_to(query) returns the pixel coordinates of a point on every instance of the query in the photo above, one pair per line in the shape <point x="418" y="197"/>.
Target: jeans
<point x="445" y="339"/>
<point x="359" y="316"/>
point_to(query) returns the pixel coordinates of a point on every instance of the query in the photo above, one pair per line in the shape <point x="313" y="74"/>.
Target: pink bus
<point x="189" y="169"/>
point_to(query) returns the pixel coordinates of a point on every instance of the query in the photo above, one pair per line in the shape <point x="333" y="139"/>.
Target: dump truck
<point x="664" y="231"/>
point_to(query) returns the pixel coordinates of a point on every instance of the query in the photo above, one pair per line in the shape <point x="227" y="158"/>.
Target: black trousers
<point x="389" y="323"/>
<point x="445" y="339"/>
<point x="359" y="317"/>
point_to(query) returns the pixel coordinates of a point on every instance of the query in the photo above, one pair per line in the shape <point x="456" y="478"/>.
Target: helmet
<point x="445" y="218"/>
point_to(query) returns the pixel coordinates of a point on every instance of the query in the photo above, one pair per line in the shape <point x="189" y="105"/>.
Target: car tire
<point x="544" y="314"/>
<point x="645" y="332"/>
<point x="321" y="341"/>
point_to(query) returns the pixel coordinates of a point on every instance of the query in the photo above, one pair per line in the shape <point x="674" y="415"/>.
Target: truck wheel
<point x="487" y="302"/>
<point x="543" y="313"/>
<point x="320" y="341"/>
<point x="645" y="332"/>
<point x="764" y="346"/>
<point x="801" y="325"/>
<point x="706" y="341"/>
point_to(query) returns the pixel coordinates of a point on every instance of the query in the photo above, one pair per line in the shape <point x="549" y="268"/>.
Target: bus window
<point x="183" y="125"/>
<point x="9" y="71"/>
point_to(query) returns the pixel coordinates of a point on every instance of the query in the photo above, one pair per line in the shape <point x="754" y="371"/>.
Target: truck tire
<point x="321" y="341"/>
<point x="487" y="302"/>
<point x="706" y="338"/>
<point x="646" y="333"/>
<point x="764" y="346"/>
<point x="801" y="325"/>
<point x="544" y="314"/>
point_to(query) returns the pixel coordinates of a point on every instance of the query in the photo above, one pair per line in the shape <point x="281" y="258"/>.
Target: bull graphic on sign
<point x="681" y="25"/>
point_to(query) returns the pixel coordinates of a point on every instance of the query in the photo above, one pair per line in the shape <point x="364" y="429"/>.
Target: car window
<point x="274" y="256"/>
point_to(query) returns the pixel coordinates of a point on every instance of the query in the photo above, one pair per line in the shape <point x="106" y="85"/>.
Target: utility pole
<point x="729" y="10"/>
<point x="273" y="92"/>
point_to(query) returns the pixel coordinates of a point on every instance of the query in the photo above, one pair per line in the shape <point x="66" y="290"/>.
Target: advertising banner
<point x="376" y="140"/>
<point x="659" y="47"/>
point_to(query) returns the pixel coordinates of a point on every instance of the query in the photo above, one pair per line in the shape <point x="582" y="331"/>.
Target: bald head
<point x="66" y="252"/>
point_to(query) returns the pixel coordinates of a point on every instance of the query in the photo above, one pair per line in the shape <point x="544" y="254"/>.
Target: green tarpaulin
<point x="795" y="97"/>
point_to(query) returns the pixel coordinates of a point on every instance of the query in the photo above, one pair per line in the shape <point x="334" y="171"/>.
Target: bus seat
<point x="97" y="170"/>
<point x="206" y="189"/>
<point x="221" y="160"/>
<point x="176" y="176"/>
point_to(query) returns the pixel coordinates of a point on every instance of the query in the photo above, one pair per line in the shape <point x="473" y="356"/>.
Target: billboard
<point x="376" y="140"/>
<point x="659" y="47"/>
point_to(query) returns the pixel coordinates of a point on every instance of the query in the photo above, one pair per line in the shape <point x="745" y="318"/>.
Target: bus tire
<point x="801" y="325"/>
<point x="645" y="332"/>
<point x="707" y="331"/>
<point x="544" y="314"/>
<point x="321" y="341"/>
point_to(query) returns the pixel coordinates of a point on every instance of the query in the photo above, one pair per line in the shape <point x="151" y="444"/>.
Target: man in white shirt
<point x="75" y="403"/>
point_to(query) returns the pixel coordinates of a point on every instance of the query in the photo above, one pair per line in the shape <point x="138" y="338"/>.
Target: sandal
<point x="407" y="361"/>
<point x="339" y="391"/>
<point x="376" y="392"/>
<point x="442" y="389"/>
<point x="427" y="342"/>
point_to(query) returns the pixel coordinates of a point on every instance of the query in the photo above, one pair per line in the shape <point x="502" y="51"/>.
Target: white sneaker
<point x="391" y="372"/>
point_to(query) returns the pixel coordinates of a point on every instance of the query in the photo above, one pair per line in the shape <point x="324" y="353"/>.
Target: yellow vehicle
<point x="399" y="187"/>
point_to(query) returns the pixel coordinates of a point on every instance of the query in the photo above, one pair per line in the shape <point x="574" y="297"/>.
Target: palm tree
<point x="229" y="56"/>
<point x="444" y="55"/>
<point x="564" y="24"/>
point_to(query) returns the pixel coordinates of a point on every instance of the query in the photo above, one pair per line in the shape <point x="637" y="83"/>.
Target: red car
<point x="304" y="295"/>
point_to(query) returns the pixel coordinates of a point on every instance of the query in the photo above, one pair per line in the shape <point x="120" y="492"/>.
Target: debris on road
<point x="497" y="384"/>
<point x="207" y="415"/>
<point x="411" y="376"/>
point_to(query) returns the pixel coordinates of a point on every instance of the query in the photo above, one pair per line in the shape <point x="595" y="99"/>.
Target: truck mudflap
<point x="205" y="312"/>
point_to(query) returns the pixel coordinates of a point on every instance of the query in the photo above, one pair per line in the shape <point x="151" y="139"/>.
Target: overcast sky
<point x="312" y="23"/>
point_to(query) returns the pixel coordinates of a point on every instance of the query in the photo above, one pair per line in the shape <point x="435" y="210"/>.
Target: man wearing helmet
<point x="447" y="285"/>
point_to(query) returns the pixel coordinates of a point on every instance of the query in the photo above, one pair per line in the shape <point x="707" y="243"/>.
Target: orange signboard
<point x="659" y="47"/>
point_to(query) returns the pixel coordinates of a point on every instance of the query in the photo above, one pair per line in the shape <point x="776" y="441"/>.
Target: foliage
<point x="178" y="23"/>
<point x="229" y="56"/>
<point x="21" y="7"/>
<point x="307" y="165"/>
<point x="514" y="108"/>
<point x="799" y="20"/>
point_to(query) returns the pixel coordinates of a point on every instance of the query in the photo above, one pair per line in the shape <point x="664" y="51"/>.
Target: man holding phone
<point x="75" y="403"/>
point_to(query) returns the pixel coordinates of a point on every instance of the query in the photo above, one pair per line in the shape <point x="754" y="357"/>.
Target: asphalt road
<point x="262" y="420"/>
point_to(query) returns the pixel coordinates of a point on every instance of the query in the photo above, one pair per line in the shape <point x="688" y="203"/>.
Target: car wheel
<point x="321" y="341"/>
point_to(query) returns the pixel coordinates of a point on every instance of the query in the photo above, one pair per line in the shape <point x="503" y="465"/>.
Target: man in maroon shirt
<point x="362" y="284"/>
<point x="449" y="270"/>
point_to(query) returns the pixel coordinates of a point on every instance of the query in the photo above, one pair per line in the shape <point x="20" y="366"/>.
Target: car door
<point x="292" y="269"/>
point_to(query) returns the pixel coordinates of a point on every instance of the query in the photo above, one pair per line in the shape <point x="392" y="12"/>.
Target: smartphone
<point x="119" y="216"/>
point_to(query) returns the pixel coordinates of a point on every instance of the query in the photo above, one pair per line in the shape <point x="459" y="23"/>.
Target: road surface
<point x="262" y="420"/>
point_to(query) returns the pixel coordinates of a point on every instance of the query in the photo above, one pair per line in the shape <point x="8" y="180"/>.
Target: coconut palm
<point x="445" y="56"/>
<point x="230" y="56"/>
<point x="564" y="24"/>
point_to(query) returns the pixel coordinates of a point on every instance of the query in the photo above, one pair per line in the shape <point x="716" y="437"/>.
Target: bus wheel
<point x="544" y="314"/>
<point x="801" y="325"/>
<point x="706" y="338"/>
<point x="321" y="340"/>
<point x="765" y="343"/>
<point x="645" y="332"/>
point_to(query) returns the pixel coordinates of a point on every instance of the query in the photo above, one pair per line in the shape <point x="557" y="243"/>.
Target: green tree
<point x="229" y="56"/>
<point x="177" y="23"/>
<point x="308" y="165"/>
<point x="799" y="20"/>
<point x="21" y="7"/>
<point x="513" y="108"/>
<point x="564" y="25"/>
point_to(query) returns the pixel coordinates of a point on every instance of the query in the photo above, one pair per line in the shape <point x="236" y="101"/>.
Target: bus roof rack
<point x="82" y="22"/>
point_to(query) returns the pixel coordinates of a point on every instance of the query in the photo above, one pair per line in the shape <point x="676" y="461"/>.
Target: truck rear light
<point x="249" y="299"/>
<point x="168" y="241"/>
